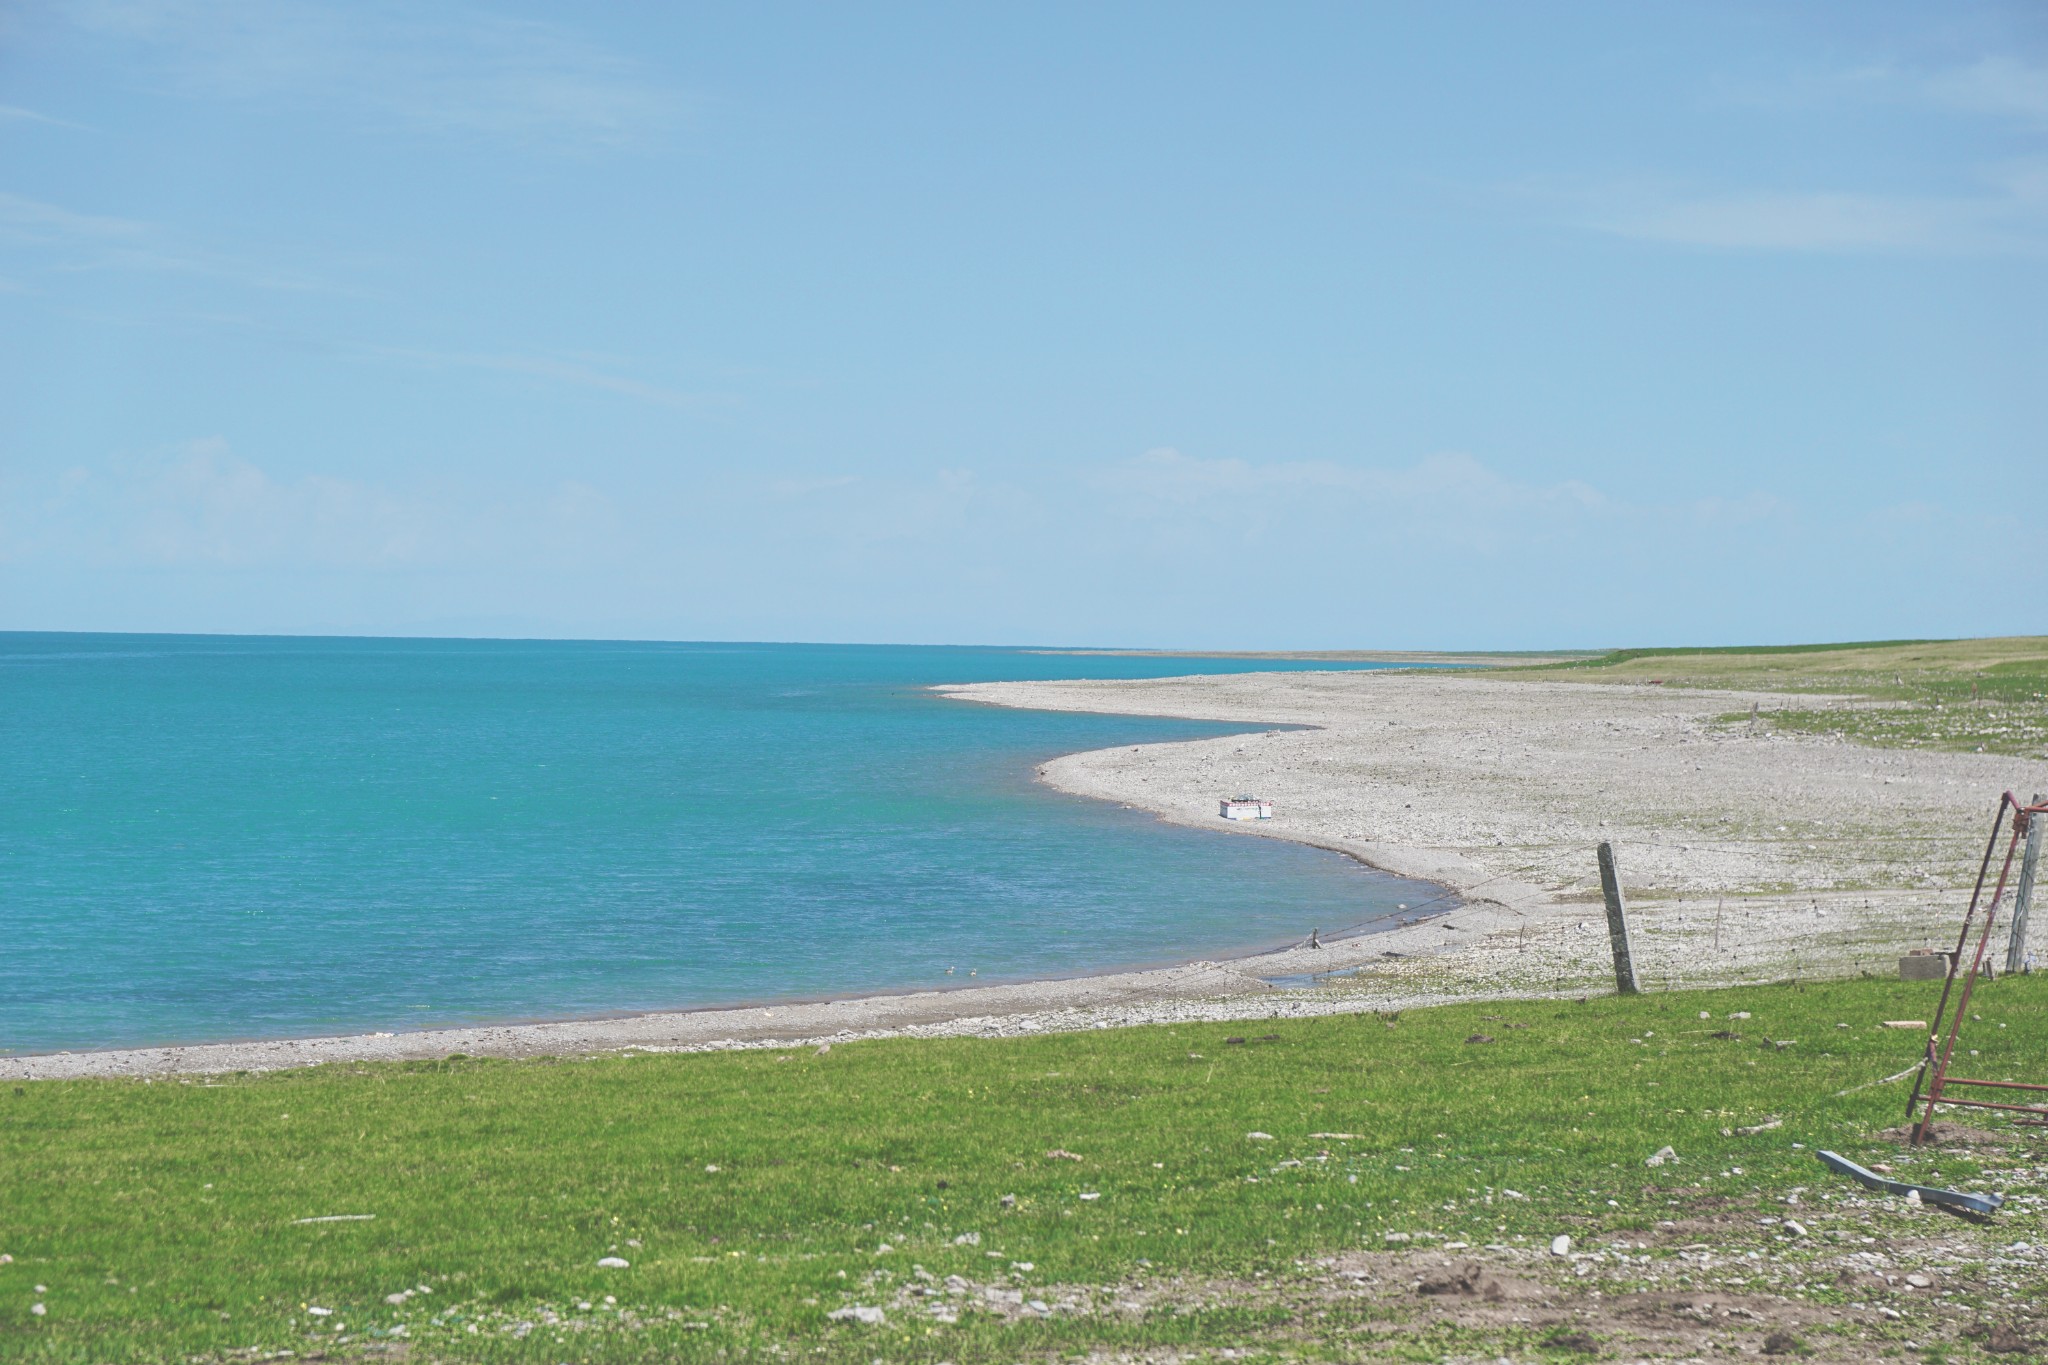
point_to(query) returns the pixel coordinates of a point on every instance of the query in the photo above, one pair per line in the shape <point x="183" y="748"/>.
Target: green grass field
<point x="752" y="1193"/>
<point x="1944" y="694"/>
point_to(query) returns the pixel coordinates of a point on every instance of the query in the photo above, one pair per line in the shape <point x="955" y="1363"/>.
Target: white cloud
<point x="1999" y="85"/>
<point x="2009" y="215"/>
<point x="452" y="70"/>
<point x="1986" y="205"/>
<point x="1803" y="222"/>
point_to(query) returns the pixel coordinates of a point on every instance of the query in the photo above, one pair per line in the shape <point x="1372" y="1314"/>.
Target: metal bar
<point x="1617" y="923"/>
<point x="2002" y="1085"/>
<point x="1929" y="1194"/>
<point x="1992" y="1104"/>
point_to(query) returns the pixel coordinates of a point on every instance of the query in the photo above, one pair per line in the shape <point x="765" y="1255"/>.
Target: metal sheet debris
<point x="1955" y="1199"/>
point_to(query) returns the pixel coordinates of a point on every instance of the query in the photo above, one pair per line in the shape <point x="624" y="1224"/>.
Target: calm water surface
<point x="225" y="837"/>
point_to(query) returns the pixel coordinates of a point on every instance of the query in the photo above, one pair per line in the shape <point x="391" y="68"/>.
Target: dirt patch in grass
<point x="1941" y="1134"/>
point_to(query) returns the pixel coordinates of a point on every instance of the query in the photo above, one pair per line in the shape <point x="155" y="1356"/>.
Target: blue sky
<point x="1434" y="325"/>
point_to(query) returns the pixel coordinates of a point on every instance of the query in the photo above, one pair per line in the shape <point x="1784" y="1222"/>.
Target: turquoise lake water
<point x="208" y="838"/>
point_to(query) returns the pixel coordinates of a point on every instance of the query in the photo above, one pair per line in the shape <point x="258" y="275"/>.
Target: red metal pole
<point x="1955" y="958"/>
<point x="1955" y="1023"/>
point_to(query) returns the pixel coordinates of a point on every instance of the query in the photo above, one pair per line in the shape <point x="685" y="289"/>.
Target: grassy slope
<point x="1942" y="694"/>
<point x="159" y="1215"/>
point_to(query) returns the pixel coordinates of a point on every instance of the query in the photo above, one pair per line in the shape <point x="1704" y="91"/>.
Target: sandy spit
<point x="1747" y="857"/>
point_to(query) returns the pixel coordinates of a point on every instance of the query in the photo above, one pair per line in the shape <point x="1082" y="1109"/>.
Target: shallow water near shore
<point x="207" y="838"/>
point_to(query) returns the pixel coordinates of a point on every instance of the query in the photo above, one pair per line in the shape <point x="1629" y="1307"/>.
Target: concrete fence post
<point x="1617" y="924"/>
<point x="2023" y="897"/>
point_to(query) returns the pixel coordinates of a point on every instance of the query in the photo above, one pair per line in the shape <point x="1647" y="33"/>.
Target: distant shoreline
<point x="1415" y="658"/>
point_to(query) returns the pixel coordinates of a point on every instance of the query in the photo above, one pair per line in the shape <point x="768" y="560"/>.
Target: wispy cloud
<point x="1986" y="205"/>
<point x="67" y="240"/>
<point x="34" y="221"/>
<point x="2009" y="215"/>
<point x="450" y="70"/>
<point x="561" y="371"/>
<point x="2002" y="85"/>
<point x="10" y="113"/>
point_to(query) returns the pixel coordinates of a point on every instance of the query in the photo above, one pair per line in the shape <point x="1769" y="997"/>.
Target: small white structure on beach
<point x="1247" y="808"/>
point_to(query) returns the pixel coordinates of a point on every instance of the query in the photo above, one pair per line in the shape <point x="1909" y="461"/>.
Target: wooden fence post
<point x="1617" y="924"/>
<point x="2023" y="898"/>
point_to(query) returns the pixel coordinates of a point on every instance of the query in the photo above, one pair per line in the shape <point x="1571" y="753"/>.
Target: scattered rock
<point x="1763" y="1127"/>
<point x="1561" y="1245"/>
<point x="1795" y="1227"/>
<point x="861" y="1313"/>
<point x="1062" y="1154"/>
<point x="613" y="1262"/>
<point x="1256" y="1136"/>
<point x="1660" y="1156"/>
<point x="1008" y="1201"/>
<point x="320" y="1312"/>
<point x="970" y="1239"/>
<point x="1091" y="1194"/>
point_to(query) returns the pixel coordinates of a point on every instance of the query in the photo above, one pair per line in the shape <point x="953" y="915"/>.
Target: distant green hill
<point x="1989" y="694"/>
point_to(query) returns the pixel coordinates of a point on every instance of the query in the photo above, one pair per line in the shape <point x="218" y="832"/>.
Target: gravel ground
<point x="1744" y="854"/>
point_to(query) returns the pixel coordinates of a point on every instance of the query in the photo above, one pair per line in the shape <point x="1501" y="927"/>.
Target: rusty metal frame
<point x="1934" y="1079"/>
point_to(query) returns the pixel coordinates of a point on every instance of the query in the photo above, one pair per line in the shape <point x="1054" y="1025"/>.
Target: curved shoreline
<point x="1747" y="856"/>
<point x="1108" y="997"/>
